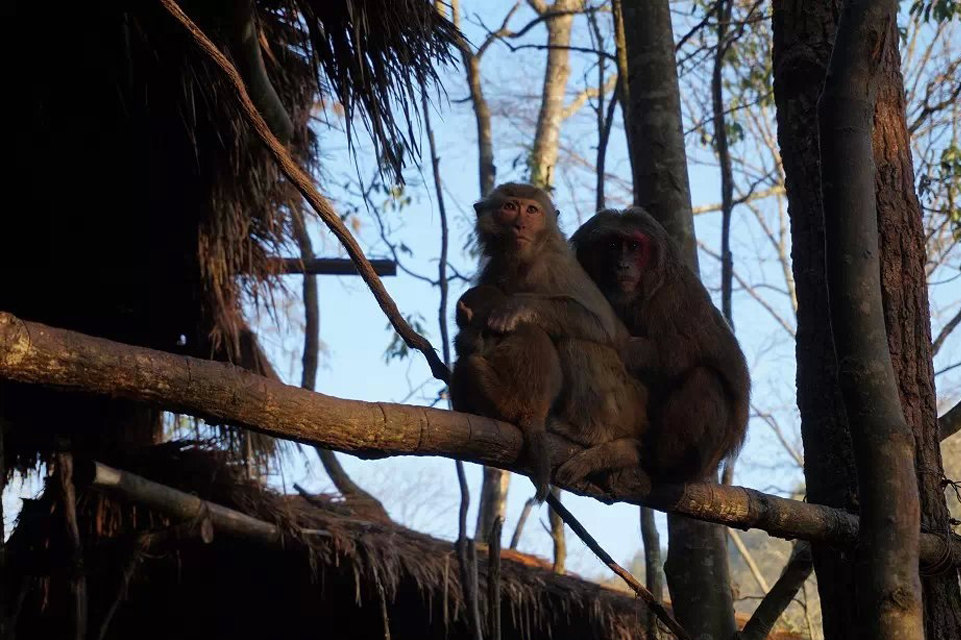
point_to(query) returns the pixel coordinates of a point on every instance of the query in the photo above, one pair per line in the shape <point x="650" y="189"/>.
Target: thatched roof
<point x="143" y="208"/>
<point x="348" y="577"/>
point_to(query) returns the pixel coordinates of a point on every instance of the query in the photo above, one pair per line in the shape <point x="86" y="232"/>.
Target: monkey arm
<point x="560" y="316"/>
<point x="640" y="355"/>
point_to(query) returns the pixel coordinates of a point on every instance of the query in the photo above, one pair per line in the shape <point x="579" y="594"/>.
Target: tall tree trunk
<point x="803" y="39"/>
<point x="660" y="172"/>
<point x="907" y="316"/>
<point x="697" y="570"/>
<point x="543" y="157"/>
<point x="888" y="583"/>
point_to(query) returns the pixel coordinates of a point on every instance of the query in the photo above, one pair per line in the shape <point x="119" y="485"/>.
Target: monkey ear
<point x="479" y="206"/>
<point x="557" y="212"/>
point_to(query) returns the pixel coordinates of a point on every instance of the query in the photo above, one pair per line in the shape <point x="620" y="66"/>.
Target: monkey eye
<point x="532" y="210"/>
<point x="510" y="206"/>
<point x="634" y="245"/>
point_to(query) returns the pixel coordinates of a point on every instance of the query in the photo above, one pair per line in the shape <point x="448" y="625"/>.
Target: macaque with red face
<point x="681" y="347"/>
<point x="539" y="346"/>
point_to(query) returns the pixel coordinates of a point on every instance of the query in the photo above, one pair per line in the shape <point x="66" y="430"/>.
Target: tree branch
<point x="222" y="393"/>
<point x="796" y="571"/>
<point x="320" y="204"/>
<point x="950" y="423"/>
<point x="945" y="332"/>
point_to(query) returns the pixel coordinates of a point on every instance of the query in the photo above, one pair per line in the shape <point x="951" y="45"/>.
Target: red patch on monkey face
<point x="628" y="258"/>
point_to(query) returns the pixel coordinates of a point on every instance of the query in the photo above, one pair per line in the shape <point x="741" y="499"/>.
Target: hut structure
<point x="233" y="559"/>
<point x="330" y="570"/>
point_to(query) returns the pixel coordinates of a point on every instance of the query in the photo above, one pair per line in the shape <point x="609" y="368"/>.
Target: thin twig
<point x="623" y="573"/>
<point x="521" y="521"/>
<point x="494" y="580"/>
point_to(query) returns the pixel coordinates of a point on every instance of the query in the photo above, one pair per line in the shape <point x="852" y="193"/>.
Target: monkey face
<point x="627" y="258"/>
<point x="523" y="219"/>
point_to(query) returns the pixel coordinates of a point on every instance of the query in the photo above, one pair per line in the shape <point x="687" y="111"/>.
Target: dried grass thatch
<point x="142" y="205"/>
<point x="349" y="578"/>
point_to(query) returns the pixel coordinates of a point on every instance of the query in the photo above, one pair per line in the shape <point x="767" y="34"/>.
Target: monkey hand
<point x="506" y="317"/>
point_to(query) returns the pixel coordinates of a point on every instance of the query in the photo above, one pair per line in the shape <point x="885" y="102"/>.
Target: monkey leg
<point x="518" y="382"/>
<point x="692" y="429"/>
<point x="608" y="456"/>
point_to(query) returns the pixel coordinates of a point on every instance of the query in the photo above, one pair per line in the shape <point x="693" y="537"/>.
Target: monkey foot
<point x="573" y="471"/>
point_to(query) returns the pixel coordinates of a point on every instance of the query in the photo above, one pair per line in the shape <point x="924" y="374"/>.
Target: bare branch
<point x="776" y="190"/>
<point x="591" y="92"/>
<point x="653" y="603"/>
<point x="222" y="393"/>
<point x="950" y="423"/>
<point x="780" y="596"/>
<point x="945" y="332"/>
<point x="305" y="185"/>
<point x="748" y="560"/>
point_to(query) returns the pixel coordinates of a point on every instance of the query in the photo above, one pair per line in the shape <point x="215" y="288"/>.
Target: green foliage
<point x="939" y="10"/>
<point x="398" y="349"/>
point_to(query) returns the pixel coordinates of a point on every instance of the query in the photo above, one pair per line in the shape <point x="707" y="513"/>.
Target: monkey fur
<point x="681" y="347"/>
<point x="539" y="346"/>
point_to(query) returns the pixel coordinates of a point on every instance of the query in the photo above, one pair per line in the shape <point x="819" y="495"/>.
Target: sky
<point x="422" y="492"/>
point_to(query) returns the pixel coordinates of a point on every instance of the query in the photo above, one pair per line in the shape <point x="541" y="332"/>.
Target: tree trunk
<point x="803" y="39"/>
<point x="888" y="584"/>
<point x="543" y="157"/>
<point x="697" y="571"/>
<point x="654" y="105"/>
<point x="492" y="502"/>
<point x="652" y="564"/>
<point x="907" y="315"/>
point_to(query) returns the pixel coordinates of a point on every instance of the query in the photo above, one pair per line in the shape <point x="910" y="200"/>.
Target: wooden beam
<point x="331" y="266"/>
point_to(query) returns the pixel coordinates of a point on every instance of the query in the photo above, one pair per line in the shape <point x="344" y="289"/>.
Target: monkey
<point x="515" y="377"/>
<point x="531" y="292"/>
<point x="681" y="347"/>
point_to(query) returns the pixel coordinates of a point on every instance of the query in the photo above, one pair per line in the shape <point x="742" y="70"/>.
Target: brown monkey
<point x="514" y="377"/>
<point x="682" y="348"/>
<point x="545" y="294"/>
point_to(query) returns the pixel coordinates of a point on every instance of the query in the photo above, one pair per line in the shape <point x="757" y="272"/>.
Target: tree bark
<point x="492" y="503"/>
<point x="654" y="104"/>
<point x="803" y="39"/>
<point x="652" y="563"/>
<point x="543" y="157"/>
<point x="222" y="393"/>
<point x="888" y="583"/>
<point x="907" y="316"/>
<point x="557" y="535"/>
<point x="697" y="567"/>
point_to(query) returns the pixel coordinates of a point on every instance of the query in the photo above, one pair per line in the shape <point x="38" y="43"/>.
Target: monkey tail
<point x="539" y="459"/>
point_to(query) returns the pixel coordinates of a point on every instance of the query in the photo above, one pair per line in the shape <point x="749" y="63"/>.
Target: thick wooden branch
<point x="221" y="393"/>
<point x="184" y="506"/>
<point x="331" y="266"/>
